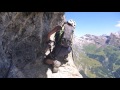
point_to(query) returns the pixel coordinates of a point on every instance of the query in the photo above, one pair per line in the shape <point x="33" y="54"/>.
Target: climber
<point x="63" y="44"/>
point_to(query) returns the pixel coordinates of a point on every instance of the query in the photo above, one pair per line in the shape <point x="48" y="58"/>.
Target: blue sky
<point x="95" y="23"/>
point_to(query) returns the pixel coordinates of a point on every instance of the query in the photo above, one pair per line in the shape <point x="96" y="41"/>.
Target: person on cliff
<point x="63" y="44"/>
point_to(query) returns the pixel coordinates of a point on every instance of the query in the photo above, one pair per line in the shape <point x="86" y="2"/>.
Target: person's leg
<point x="51" y="60"/>
<point x="56" y="65"/>
<point x="48" y="60"/>
<point x="69" y="49"/>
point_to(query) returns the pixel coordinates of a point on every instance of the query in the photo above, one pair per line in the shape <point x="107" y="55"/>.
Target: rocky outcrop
<point x="22" y="42"/>
<point x="115" y="39"/>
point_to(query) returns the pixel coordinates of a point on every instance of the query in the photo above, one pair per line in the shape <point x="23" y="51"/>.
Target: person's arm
<point x="57" y="28"/>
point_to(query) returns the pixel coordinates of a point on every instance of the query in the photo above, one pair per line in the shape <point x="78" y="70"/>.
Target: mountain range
<point x="97" y="56"/>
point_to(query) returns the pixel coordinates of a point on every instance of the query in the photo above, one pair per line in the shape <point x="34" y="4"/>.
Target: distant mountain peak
<point x="112" y="39"/>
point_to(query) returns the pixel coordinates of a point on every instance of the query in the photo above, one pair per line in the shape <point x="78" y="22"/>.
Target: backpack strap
<point x="58" y="35"/>
<point x="61" y="31"/>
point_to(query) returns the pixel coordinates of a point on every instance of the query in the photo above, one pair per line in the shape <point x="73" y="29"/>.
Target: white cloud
<point x="118" y="25"/>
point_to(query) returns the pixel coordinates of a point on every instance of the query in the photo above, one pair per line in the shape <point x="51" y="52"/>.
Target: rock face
<point x="22" y="42"/>
<point x="115" y="39"/>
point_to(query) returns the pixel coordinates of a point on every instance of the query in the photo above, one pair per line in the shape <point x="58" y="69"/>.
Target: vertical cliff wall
<point x="22" y="42"/>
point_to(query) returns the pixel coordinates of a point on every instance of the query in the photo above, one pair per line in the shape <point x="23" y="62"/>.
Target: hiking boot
<point x="56" y="65"/>
<point x="55" y="70"/>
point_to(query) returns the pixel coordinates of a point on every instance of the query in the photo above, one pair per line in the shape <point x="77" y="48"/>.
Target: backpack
<point x="64" y="37"/>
